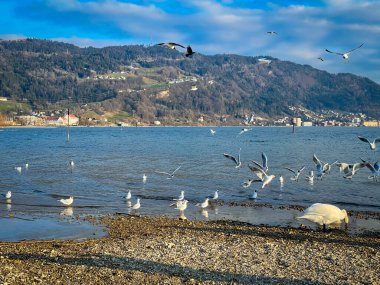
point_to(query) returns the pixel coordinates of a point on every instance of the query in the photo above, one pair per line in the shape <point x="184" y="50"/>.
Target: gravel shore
<point x="161" y="250"/>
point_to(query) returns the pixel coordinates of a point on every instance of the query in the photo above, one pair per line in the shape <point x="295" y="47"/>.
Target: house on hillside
<point x="51" y="121"/>
<point x="71" y="120"/>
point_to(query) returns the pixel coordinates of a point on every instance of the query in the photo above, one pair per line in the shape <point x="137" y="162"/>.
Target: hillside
<point x="155" y="82"/>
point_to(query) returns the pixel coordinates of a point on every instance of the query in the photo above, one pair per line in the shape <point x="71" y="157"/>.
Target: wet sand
<point x="162" y="250"/>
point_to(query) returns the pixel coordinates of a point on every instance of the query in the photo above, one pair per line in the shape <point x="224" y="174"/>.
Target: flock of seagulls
<point x="322" y="214"/>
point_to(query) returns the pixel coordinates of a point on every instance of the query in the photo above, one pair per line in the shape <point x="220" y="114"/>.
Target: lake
<point x="111" y="161"/>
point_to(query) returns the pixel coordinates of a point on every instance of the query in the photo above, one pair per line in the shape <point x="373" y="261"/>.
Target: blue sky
<point x="305" y="28"/>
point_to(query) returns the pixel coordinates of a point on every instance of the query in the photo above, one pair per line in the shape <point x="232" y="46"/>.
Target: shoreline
<point x="158" y="250"/>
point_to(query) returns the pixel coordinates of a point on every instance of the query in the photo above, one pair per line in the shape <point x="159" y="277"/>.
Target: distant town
<point x="302" y="117"/>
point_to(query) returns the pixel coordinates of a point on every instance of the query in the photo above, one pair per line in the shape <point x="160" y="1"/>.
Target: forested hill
<point x="155" y="81"/>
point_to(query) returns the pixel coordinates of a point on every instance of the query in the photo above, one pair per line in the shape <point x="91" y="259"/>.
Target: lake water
<point x="111" y="161"/>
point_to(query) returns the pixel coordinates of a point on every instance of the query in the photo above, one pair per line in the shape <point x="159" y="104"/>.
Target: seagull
<point x="144" y="178"/>
<point x="345" y="167"/>
<point x="212" y="132"/>
<point x="248" y="183"/>
<point x="263" y="166"/>
<point x="243" y="130"/>
<point x="375" y="169"/>
<point x="310" y="177"/>
<point x="129" y="195"/>
<point x="372" y="145"/>
<point x="237" y="161"/>
<point x="203" y="205"/>
<point x="67" y="202"/>
<point x="320" y="167"/>
<point x="170" y="45"/>
<point x="216" y="195"/>
<point x="137" y="205"/>
<point x="265" y="178"/>
<point x="355" y="168"/>
<point x="296" y="173"/>
<point x="18" y="169"/>
<point x="324" y="214"/>
<point x="346" y="54"/>
<point x="189" y="51"/>
<point x="253" y="195"/>
<point x="170" y="175"/>
<point x="327" y="167"/>
<point x="181" y="197"/>
<point x="181" y="205"/>
<point x="321" y="59"/>
<point x="272" y="33"/>
<point x="26" y="165"/>
<point x="71" y="165"/>
<point x="8" y="195"/>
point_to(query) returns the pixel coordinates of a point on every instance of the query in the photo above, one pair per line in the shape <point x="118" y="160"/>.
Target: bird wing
<point x="376" y="140"/>
<point x="291" y="170"/>
<point x="230" y="157"/>
<point x="176" y="169"/>
<point x="258" y="164"/>
<point x="363" y="139"/>
<point x="333" y="52"/>
<point x="355" y="48"/>
<point x="258" y="171"/>
<point x="358" y="165"/>
<point x="303" y="167"/>
<point x="316" y="160"/>
<point x="174" y="44"/>
<point x="162" y="172"/>
<point x="377" y="166"/>
<point x="370" y="167"/>
<point x="265" y="160"/>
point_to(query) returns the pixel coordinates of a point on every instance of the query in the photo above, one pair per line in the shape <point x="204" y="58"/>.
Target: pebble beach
<point x="162" y="250"/>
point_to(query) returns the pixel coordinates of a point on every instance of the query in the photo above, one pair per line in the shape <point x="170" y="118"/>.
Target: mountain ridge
<point x="153" y="82"/>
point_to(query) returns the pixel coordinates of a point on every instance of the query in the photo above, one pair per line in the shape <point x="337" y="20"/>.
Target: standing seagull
<point x="137" y="205"/>
<point x="129" y="195"/>
<point x="67" y="202"/>
<point x="346" y="54"/>
<point x="181" y="205"/>
<point x="8" y="195"/>
<point x="216" y="195"/>
<point x="253" y="195"/>
<point x="203" y="205"/>
<point x="170" y="45"/>
<point x="170" y="175"/>
<point x="265" y="178"/>
<point x="144" y="178"/>
<point x="237" y="161"/>
<point x="189" y="51"/>
<point x="181" y="197"/>
<point x="372" y="145"/>
<point x="296" y="173"/>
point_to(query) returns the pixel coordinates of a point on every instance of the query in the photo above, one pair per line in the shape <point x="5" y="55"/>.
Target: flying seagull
<point x="296" y="173"/>
<point x="170" y="45"/>
<point x="265" y="178"/>
<point x="372" y="145"/>
<point x="355" y="168"/>
<point x="272" y="33"/>
<point x="244" y="130"/>
<point x="248" y="183"/>
<point x="346" y="54"/>
<point x="170" y="175"/>
<point x="237" y="161"/>
<point x="321" y="59"/>
<point x="212" y="132"/>
<point x="375" y="169"/>
<point x="189" y="51"/>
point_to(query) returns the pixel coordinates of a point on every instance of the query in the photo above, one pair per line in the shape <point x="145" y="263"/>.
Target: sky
<point x="305" y="28"/>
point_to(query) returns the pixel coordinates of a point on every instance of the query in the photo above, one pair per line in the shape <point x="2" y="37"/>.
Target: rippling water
<point x="111" y="161"/>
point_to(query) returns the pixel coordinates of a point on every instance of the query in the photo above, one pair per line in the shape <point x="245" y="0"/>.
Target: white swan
<point x="324" y="214"/>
